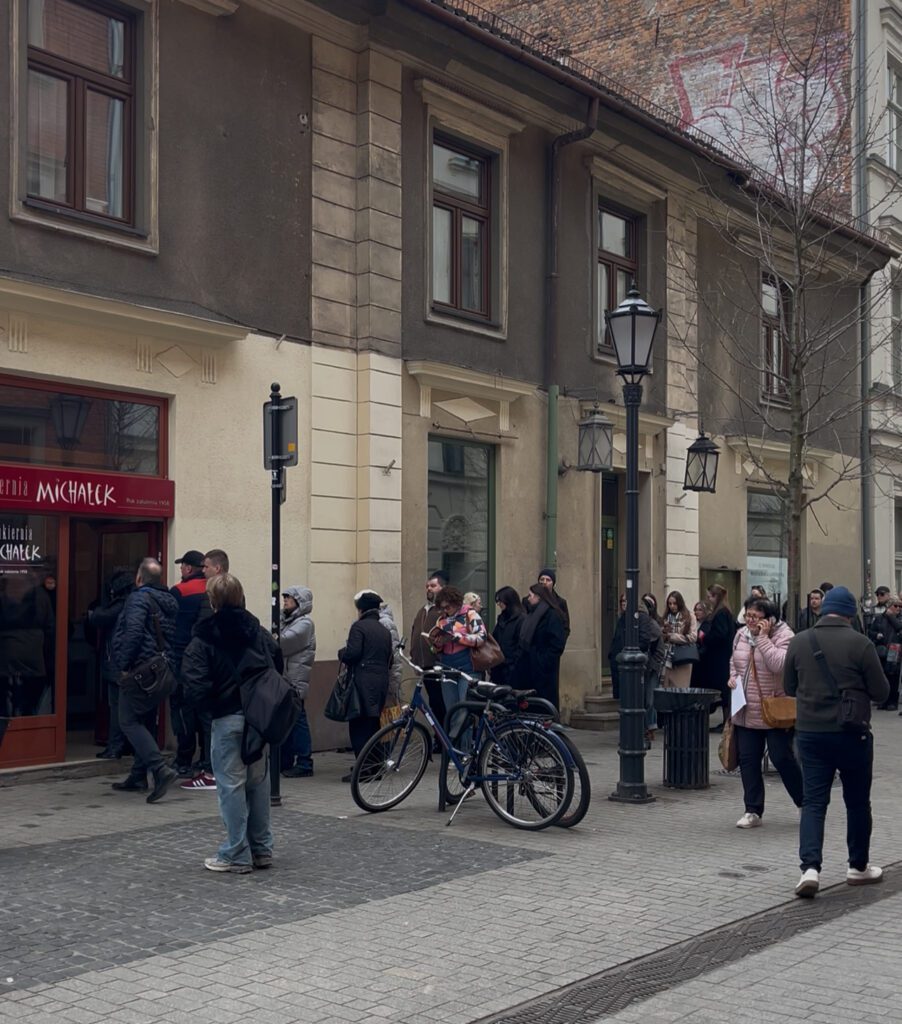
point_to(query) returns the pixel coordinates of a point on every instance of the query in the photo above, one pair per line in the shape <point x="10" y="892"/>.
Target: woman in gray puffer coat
<point x="298" y="642"/>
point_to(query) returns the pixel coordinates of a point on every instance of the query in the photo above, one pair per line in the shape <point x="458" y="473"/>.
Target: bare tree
<point x="782" y="357"/>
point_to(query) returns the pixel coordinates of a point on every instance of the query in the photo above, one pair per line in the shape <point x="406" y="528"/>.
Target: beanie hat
<point x="550" y="573"/>
<point x="366" y="600"/>
<point x="839" y="601"/>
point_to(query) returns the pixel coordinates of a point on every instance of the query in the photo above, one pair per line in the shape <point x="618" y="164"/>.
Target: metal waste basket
<point x="683" y="715"/>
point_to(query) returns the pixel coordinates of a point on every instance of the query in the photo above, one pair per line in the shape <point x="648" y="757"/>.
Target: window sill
<point x="774" y="402"/>
<point x="63" y="222"/>
<point x="495" y="331"/>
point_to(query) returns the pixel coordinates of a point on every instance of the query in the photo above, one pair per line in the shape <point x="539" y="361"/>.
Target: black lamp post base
<point x="627" y="795"/>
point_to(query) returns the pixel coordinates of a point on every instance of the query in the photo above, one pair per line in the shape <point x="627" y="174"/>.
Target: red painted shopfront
<point x="83" y="498"/>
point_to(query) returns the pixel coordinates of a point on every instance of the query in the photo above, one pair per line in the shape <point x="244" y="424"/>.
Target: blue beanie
<point x="839" y="601"/>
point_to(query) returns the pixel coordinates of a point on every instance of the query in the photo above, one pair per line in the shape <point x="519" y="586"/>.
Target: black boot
<point x="163" y="778"/>
<point x="133" y="784"/>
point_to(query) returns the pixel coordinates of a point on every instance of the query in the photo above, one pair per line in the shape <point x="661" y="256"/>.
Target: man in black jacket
<point x="135" y="641"/>
<point x="821" y="665"/>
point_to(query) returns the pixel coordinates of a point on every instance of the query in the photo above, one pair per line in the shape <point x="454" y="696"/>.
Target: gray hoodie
<point x="298" y="640"/>
<point x="387" y="618"/>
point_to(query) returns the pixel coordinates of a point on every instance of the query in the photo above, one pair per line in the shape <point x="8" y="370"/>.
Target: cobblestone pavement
<point x="107" y="916"/>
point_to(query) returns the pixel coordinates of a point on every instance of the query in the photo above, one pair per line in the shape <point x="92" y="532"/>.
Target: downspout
<point x="867" y="484"/>
<point x="552" y="456"/>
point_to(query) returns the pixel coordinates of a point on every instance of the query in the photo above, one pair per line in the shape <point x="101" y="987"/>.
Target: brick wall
<point x="704" y="61"/>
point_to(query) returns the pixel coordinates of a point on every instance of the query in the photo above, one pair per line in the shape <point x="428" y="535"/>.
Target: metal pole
<point x="631" y="786"/>
<point x="277" y="482"/>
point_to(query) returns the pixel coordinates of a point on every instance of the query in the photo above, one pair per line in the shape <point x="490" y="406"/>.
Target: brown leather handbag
<point x="487" y="655"/>
<point x="777" y="712"/>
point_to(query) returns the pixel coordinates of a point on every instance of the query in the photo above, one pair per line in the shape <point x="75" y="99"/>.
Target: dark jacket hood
<point x="234" y="629"/>
<point x="162" y="598"/>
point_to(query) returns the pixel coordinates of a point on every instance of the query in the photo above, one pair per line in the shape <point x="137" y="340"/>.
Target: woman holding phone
<point x="759" y="650"/>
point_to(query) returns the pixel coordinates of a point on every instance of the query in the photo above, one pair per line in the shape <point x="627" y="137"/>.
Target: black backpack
<point x="270" y="704"/>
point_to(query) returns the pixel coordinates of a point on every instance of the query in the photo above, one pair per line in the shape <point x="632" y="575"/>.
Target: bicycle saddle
<point x="493" y="690"/>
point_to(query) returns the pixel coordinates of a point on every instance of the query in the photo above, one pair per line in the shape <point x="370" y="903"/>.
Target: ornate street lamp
<point x="596" y="443"/>
<point x="69" y="413"/>
<point x="632" y="325"/>
<point x="701" y="465"/>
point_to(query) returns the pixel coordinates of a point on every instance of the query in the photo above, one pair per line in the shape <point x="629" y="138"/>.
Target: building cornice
<point x="44" y="302"/>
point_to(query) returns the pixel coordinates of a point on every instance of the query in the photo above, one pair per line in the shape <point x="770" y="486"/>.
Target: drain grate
<point x="613" y="990"/>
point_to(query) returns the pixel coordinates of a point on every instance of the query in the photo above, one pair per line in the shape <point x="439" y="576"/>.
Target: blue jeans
<point x="243" y="793"/>
<point x="138" y="720"/>
<point x="822" y="755"/>
<point x="298" y="750"/>
<point x="454" y="690"/>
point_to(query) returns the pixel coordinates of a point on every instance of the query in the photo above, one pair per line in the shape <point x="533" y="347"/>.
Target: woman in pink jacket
<point x="759" y="650"/>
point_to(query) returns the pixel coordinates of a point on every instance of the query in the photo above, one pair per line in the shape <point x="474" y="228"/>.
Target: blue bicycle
<point x="525" y="772"/>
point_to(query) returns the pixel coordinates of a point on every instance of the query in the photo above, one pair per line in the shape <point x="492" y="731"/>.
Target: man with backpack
<point x="834" y="674"/>
<point x="230" y="655"/>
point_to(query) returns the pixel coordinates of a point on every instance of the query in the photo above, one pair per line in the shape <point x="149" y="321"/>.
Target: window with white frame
<point x="776" y="312"/>
<point x="896" y="332"/>
<point x="894" y="112"/>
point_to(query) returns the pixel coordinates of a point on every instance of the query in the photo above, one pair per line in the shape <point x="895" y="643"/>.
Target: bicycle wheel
<point x="582" y="788"/>
<point x="539" y="788"/>
<point x="390" y="765"/>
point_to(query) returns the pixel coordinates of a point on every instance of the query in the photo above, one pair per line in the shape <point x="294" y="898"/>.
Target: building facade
<point x="357" y="202"/>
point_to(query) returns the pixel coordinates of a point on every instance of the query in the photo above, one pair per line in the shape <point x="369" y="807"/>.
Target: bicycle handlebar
<point x="445" y="671"/>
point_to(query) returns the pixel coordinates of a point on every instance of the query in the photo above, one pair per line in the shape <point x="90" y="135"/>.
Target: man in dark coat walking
<point x="134" y="642"/>
<point x="823" y="665"/>
<point x="368" y="653"/>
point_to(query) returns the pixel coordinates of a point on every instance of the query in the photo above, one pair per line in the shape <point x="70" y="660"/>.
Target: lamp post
<point x="632" y="325"/>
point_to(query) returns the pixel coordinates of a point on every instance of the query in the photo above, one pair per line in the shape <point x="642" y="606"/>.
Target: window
<point x="80" y="109"/>
<point x="894" y="110"/>
<point x="767" y="563"/>
<point x="461" y="229"/>
<point x="56" y="426"/>
<point x="461" y="515"/>
<point x="617" y="264"/>
<point x="775" y="316"/>
<point x="897" y="524"/>
<point x="896" y="328"/>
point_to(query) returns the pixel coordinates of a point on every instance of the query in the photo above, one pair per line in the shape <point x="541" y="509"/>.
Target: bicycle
<point x="451" y="785"/>
<point x="523" y="769"/>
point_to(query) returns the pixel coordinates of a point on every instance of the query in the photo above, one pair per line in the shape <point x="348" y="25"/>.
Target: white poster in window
<point x="770" y="572"/>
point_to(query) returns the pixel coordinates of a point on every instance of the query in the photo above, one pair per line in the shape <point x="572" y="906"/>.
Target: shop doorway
<point x="100" y="552"/>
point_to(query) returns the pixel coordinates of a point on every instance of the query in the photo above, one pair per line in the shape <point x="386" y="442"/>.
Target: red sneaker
<point x="203" y="783"/>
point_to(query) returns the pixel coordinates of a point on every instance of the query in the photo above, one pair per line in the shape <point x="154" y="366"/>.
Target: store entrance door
<point x="101" y="552"/>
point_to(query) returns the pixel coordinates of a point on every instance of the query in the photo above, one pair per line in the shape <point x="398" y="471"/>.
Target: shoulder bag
<point x="683" y="654"/>
<point x="728" y="748"/>
<point x="344" y="702"/>
<point x="777" y="712"/>
<point x="854" y="704"/>
<point x="487" y="655"/>
<point x="154" y="677"/>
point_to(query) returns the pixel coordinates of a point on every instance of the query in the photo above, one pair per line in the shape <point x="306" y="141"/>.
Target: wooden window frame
<point x="614" y="262"/>
<point x="60" y="387"/>
<point x="775" y="383"/>
<point x="79" y="78"/>
<point x="459" y="207"/>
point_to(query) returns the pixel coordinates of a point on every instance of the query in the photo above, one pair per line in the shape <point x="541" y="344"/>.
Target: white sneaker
<point x="809" y="884"/>
<point x="869" y="876"/>
<point x="749" y="820"/>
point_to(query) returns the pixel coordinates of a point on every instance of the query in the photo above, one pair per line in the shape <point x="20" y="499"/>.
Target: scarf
<point x="528" y="629"/>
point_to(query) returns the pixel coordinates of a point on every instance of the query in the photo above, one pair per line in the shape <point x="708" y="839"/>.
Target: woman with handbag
<point x="457" y="633"/>
<point x="680" y="636"/>
<point x="368" y="654"/>
<point x="716" y="647"/>
<point x="759" y="651"/>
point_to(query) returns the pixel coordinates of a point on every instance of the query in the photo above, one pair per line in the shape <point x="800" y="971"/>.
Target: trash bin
<point x="684" y="717"/>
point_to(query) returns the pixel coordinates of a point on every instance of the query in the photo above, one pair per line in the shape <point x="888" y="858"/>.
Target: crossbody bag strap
<point x="821" y="662"/>
<point x="754" y="673"/>
<point x="161" y="646"/>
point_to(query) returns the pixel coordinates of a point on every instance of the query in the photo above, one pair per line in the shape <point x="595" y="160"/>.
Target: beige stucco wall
<point x="216" y="395"/>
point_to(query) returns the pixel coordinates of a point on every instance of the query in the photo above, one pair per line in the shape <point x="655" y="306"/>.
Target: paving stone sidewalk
<point x="395" y="917"/>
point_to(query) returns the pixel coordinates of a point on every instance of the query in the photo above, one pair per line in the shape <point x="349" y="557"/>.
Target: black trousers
<point x="752" y="743"/>
<point x="436" y="700"/>
<point x="360" y="730"/>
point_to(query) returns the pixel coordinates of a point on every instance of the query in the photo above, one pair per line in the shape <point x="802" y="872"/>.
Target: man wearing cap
<point x="188" y="723"/>
<point x="823" y="665"/>
<point x="548" y="579"/>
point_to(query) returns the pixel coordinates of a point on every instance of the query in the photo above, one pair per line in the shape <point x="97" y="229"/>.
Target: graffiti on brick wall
<point x="760" y="109"/>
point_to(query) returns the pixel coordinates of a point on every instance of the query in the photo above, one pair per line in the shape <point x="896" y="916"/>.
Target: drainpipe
<point x="867" y="486"/>
<point x="552" y="455"/>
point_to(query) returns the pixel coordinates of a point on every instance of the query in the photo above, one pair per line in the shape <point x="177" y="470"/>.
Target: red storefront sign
<point x="37" y="489"/>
